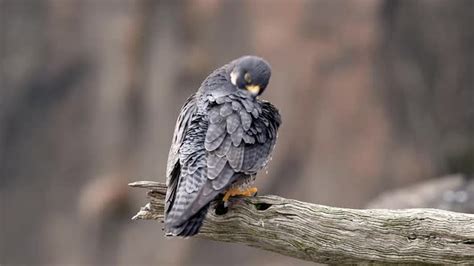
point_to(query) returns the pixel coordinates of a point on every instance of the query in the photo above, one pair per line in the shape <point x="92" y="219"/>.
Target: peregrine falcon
<point x="223" y="136"/>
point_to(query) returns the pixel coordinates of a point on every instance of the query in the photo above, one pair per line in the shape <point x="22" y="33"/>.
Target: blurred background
<point x="376" y="97"/>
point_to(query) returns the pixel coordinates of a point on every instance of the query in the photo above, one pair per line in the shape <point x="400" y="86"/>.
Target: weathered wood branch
<point x="334" y="235"/>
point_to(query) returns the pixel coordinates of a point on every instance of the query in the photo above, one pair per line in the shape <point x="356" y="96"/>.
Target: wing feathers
<point x="233" y="122"/>
<point x="234" y="138"/>
<point x="235" y="157"/>
<point x="224" y="178"/>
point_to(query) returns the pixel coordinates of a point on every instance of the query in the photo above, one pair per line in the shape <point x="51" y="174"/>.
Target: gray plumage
<point x="223" y="135"/>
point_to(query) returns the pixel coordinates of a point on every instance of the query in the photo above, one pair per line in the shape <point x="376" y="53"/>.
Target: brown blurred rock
<point x="452" y="193"/>
<point x="374" y="95"/>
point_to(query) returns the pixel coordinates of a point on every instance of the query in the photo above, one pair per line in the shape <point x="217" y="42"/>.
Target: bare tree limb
<point x="334" y="235"/>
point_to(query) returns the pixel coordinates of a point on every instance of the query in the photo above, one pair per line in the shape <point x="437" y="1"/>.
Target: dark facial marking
<point x="252" y="70"/>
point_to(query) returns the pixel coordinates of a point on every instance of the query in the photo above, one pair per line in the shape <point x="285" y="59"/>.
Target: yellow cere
<point x="254" y="89"/>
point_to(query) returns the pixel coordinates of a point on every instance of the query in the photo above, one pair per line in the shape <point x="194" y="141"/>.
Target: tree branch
<point x="333" y="235"/>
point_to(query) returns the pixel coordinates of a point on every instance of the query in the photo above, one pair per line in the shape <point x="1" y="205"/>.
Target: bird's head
<point x="250" y="73"/>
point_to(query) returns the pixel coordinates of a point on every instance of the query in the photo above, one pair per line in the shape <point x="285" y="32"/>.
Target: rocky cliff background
<point x="374" y="95"/>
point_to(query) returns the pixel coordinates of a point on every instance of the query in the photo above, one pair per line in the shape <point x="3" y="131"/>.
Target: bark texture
<point x="332" y="235"/>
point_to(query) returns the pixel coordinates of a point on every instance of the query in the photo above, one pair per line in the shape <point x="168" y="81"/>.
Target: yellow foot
<point x="239" y="192"/>
<point x="250" y="191"/>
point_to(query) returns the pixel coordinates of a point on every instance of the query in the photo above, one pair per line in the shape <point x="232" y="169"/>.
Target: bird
<point x="223" y="136"/>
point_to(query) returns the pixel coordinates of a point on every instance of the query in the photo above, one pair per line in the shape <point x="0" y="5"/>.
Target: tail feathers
<point x="190" y="227"/>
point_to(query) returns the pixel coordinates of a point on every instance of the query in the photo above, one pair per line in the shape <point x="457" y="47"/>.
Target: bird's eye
<point x="248" y="78"/>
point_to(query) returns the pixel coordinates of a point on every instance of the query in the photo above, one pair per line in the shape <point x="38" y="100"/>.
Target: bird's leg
<point x="229" y="193"/>
<point x="250" y="191"/>
<point x="235" y="191"/>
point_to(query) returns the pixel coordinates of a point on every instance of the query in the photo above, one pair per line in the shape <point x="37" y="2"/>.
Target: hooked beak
<point x="254" y="89"/>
